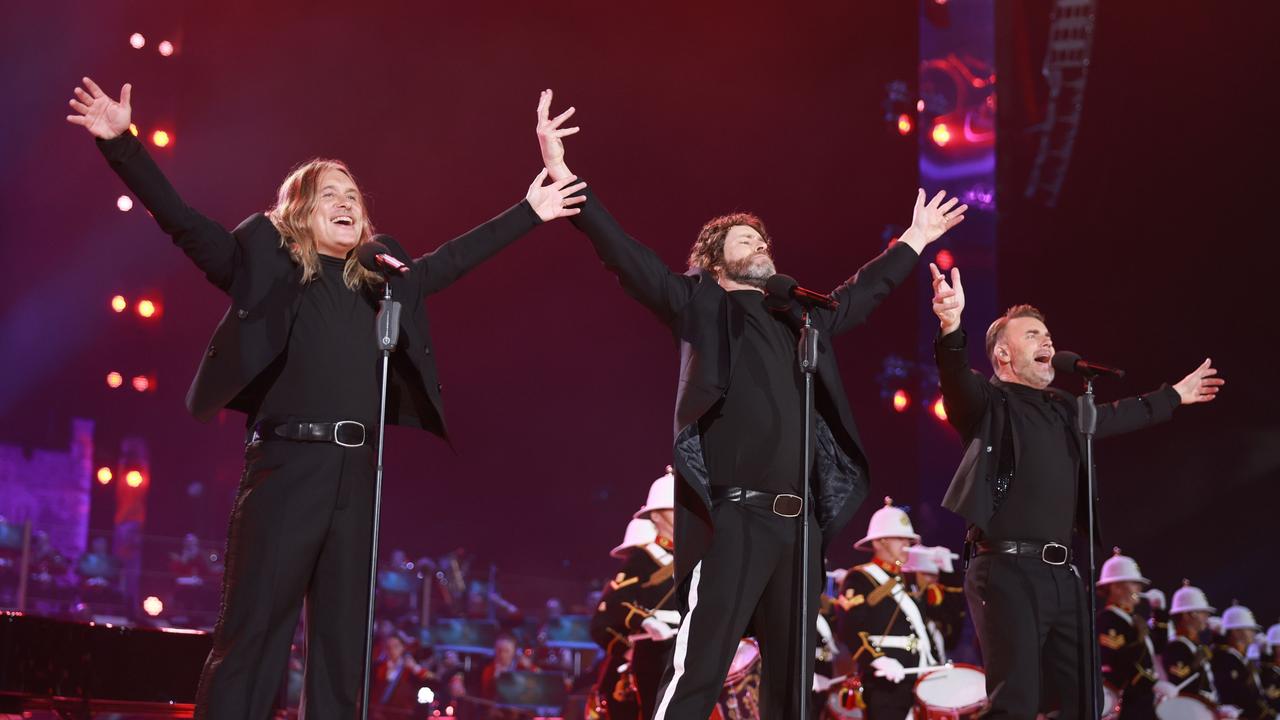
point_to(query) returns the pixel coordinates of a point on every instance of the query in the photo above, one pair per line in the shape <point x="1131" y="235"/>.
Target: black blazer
<point x="250" y="266"/>
<point x="708" y="328"/>
<point x="978" y="409"/>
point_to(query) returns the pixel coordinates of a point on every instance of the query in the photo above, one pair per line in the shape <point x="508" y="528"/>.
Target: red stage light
<point x="133" y="478"/>
<point x="940" y="410"/>
<point x="104" y="475"/>
<point x="165" y="47"/>
<point x="125" y="203"/>
<point x="114" y="379"/>
<point x="118" y="303"/>
<point x="161" y="138"/>
<point x="945" y="260"/>
<point x="901" y="400"/>
<point x="133" y="129"/>
<point x="941" y="134"/>
<point x="147" y="309"/>
<point x="905" y="125"/>
<point x="141" y="383"/>
<point x="152" y="606"/>
<point x="137" y="41"/>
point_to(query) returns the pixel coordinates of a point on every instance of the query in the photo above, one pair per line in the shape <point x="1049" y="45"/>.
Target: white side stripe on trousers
<point x="682" y="644"/>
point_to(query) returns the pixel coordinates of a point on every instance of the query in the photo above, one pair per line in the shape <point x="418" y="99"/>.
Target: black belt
<point x="1051" y="553"/>
<point x="347" y="433"/>
<point x="786" y="504"/>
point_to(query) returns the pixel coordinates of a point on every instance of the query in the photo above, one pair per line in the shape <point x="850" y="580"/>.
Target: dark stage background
<point x="558" y="388"/>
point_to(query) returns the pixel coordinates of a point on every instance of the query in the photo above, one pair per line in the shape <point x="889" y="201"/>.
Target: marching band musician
<point x="1234" y="676"/>
<point x="1125" y="645"/>
<point x="1185" y="659"/>
<point x="1270" y="670"/>
<point x="943" y="605"/>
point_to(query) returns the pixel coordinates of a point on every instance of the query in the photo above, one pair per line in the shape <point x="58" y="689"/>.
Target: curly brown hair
<point x="708" y="250"/>
<point x="997" y="327"/>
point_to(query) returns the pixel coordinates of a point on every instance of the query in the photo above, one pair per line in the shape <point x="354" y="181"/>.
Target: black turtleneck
<point x="1041" y="502"/>
<point x="329" y="369"/>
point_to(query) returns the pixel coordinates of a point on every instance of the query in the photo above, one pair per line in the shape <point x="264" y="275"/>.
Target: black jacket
<point x="250" y="266"/>
<point x="978" y="409"/>
<point x="708" y="328"/>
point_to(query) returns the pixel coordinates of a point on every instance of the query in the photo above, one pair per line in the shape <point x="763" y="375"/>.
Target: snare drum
<point x="951" y="693"/>
<point x="740" y="697"/>
<point x="844" y="702"/>
<point x="1110" y="703"/>
<point x="1186" y="707"/>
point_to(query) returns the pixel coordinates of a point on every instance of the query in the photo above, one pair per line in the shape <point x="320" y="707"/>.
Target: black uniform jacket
<point x="978" y="409"/>
<point x="865" y="608"/>
<point x="707" y="328"/>
<point x="1183" y="658"/>
<point x="1127" y="660"/>
<point x="250" y="266"/>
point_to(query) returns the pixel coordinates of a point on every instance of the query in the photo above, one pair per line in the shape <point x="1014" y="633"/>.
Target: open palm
<point x="98" y="113"/>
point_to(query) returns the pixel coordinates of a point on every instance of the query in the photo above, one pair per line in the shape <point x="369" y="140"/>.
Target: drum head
<point x="1186" y="707"/>
<point x="747" y="655"/>
<point x="962" y="686"/>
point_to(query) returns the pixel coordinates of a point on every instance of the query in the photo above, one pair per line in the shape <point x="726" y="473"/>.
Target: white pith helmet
<point x="888" y="522"/>
<point x="1239" y="617"/>
<point x="662" y="495"/>
<point x="640" y="531"/>
<point x="1120" y="568"/>
<point x="1189" y="598"/>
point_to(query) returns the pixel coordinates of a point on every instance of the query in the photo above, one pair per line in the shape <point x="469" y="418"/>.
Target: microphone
<point x="1066" y="361"/>
<point x="376" y="257"/>
<point x="785" y="287"/>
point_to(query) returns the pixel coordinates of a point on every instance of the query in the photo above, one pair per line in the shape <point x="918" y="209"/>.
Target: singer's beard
<point x="753" y="270"/>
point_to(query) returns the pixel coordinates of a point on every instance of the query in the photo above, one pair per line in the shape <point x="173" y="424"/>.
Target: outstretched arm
<point x="964" y="392"/>
<point x="208" y="244"/>
<point x="1199" y="386"/>
<point x="641" y="272"/>
<point x="871" y="285"/>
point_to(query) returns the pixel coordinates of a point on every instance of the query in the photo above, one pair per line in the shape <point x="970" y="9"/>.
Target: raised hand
<point x="98" y="113"/>
<point x="1201" y="385"/>
<point x="930" y="220"/>
<point x="550" y="134"/>
<point x="554" y="201"/>
<point x="948" y="299"/>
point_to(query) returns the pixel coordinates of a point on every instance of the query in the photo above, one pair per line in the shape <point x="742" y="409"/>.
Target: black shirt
<point x="329" y="369"/>
<point x="1041" y="504"/>
<point x="752" y="438"/>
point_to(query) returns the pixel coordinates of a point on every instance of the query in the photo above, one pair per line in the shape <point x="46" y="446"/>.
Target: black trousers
<point x="1138" y="702"/>
<point x="1029" y="617"/>
<point x="299" y="533"/>
<point x="749" y="576"/>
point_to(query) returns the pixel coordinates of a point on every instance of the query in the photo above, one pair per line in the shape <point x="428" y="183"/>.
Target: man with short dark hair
<point x="1019" y="487"/>
<point x="739" y="455"/>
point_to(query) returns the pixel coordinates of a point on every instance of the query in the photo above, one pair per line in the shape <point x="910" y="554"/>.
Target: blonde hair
<point x="291" y="215"/>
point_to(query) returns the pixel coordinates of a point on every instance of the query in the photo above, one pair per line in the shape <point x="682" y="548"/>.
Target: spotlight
<point x="945" y="260"/>
<point x="905" y="125"/>
<point x="137" y="41"/>
<point x="161" y="138"/>
<point x="152" y="605"/>
<point x="133" y="129"/>
<point x="104" y="475"/>
<point x="141" y="383"/>
<point x="426" y="696"/>
<point x="133" y="478"/>
<point x="901" y="401"/>
<point x="940" y="410"/>
<point x="165" y="47"/>
<point x="147" y="309"/>
<point x="118" y="303"/>
<point x="125" y="203"/>
<point x="114" y="379"/>
<point x="941" y="134"/>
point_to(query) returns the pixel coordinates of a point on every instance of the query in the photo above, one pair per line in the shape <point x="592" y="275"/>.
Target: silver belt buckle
<point x="787" y="496"/>
<point x="339" y="424"/>
<point x="1044" y="553"/>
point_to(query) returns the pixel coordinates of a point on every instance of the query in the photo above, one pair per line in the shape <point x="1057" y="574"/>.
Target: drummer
<point x="1186" y="661"/>
<point x="1236" y="679"/>
<point x="1124" y="640"/>
<point x="634" y="612"/>
<point x="1270" y="670"/>
<point x="943" y="605"/>
<point x="879" y="621"/>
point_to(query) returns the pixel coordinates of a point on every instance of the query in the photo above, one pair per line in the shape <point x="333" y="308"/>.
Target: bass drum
<point x="1186" y="707"/>
<point x="951" y="693"/>
<point x="740" y="697"/>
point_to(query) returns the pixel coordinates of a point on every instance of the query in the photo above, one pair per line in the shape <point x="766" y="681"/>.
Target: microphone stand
<point x="387" y="328"/>
<point x="808" y="355"/>
<point x="1087" y="424"/>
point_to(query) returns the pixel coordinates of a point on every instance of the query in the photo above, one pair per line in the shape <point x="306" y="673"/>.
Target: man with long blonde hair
<point x="296" y="352"/>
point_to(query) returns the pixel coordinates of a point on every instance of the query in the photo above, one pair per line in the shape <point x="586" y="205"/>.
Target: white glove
<point x="889" y="669"/>
<point x="657" y="630"/>
<point x="822" y="683"/>
<point x="670" y="617"/>
<point x="1229" y="711"/>
<point x="1164" y="689"/>
<point x="838" y="576"/>
<point x="1155" y="596"/>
